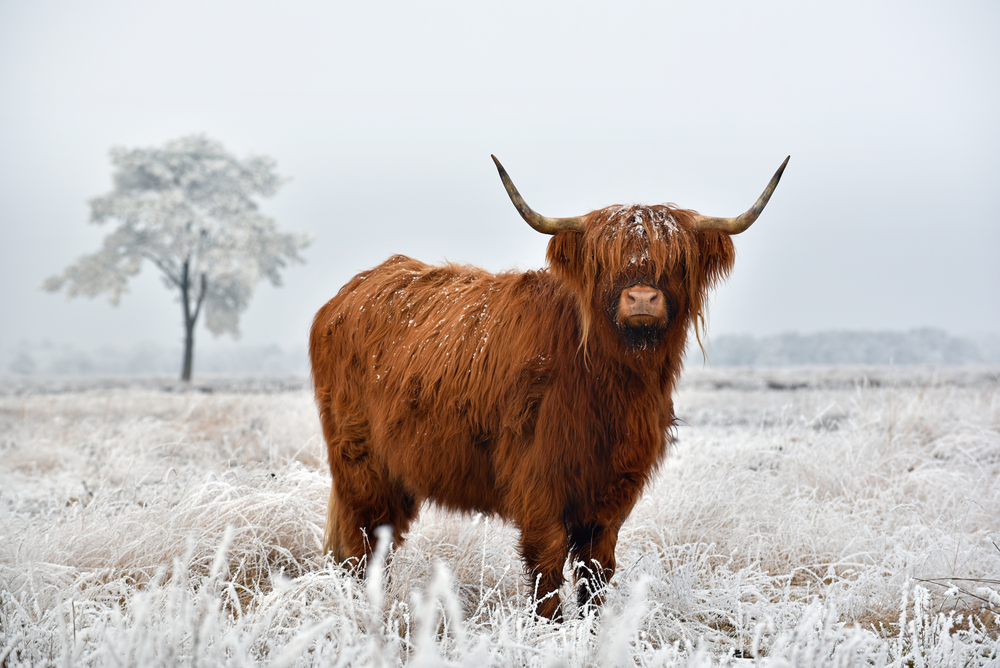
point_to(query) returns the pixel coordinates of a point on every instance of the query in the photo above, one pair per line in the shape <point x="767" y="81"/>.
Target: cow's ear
<point x="565" y="255"/>
<point x="717" y="255"/>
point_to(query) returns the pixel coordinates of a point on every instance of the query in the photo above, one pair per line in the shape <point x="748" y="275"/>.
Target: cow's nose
<point x="643" y="300"/>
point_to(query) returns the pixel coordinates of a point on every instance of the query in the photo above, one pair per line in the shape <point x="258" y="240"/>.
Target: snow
<point x="631" y="219"/>
<point x="815" y="516"/>
<point x="637" y="223"/>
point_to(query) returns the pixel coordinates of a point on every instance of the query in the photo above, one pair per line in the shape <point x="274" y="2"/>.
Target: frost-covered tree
<point x="189" y="209"/>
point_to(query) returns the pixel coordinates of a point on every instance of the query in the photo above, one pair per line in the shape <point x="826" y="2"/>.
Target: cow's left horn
<point x="543" y="224"/>
<point x="743" y="221"/>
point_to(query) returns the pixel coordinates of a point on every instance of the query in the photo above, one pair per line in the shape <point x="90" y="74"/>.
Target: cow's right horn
<point x="745" y="220"/>
<point x="543" y="224"/>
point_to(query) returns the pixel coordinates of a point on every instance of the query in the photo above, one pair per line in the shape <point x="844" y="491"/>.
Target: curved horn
<point x="541" y="223"/>
<point x="745" y="220"/>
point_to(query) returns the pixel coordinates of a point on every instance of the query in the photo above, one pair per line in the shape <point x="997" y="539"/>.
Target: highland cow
<point x="543" y="397"/>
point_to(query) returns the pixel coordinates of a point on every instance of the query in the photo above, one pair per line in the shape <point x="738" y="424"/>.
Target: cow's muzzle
<point x="642" y="306"/>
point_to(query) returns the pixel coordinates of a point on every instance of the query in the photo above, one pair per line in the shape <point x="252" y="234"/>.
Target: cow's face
<point x="629" y="249"/>
<point x="639" y="271"/>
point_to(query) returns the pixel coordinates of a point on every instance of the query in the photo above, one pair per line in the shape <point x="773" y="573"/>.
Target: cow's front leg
<point x="544" y="547"/>
<point x="592" y="549"/>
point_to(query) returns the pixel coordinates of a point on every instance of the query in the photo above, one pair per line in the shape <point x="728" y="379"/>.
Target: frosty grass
<point x="804" y="517"/>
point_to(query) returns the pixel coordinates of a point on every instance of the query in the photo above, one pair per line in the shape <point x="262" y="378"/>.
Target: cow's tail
<point x="333" y="542"/>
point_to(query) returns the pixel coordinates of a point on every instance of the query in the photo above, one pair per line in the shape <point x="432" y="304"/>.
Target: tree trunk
<point x="188" y="350"/>
<point x="190" y="319"/>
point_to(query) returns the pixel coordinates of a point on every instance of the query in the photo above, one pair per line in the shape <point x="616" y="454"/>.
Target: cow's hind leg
<point x="380" y="503"/>
<point x="333" y="543"/>
<point x="364" y="497"/>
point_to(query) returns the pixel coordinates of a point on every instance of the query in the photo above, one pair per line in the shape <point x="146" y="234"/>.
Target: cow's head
<point x="640" y="274"/>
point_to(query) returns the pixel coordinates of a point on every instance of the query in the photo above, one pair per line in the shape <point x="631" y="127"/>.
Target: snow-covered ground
<point x="808" y="516"/>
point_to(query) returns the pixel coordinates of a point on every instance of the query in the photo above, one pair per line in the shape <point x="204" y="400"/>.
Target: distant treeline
<point x="918" y="346"/>
<point x="150" y="359"/>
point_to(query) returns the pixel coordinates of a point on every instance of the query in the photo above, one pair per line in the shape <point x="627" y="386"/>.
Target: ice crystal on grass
<point x="143" y="527"/>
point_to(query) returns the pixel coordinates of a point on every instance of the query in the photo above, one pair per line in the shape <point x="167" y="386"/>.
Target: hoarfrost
<point x="761" y="535"/>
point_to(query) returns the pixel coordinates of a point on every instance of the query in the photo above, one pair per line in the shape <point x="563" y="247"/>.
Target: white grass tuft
<point x="805" y="517"/>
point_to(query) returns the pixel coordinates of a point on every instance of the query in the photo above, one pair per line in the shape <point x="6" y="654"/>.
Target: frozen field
<point x="806" y="516"/>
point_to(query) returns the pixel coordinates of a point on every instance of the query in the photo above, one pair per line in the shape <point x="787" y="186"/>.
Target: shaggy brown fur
<point x="515" y="394"/>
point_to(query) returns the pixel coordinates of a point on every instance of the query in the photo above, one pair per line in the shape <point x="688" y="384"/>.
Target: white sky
<point x="385" y="114"/>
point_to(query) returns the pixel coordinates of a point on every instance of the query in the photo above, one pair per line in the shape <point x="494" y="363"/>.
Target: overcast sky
<point x="384" y="116"/>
